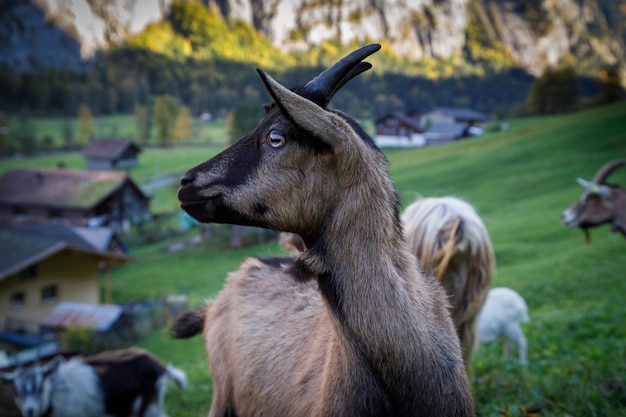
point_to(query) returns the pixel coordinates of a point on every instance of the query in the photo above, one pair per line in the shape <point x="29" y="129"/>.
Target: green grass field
<point x="520" y="181"/>
<point x="118" y="126"/>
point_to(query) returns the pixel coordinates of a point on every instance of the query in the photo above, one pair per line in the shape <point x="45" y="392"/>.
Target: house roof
<point x="463" y="114"/>
<point x="452" y="129"/>
<point x="60" y="188"/>
<point x="99" y="316"/>
<point x="25" y="245"/>
<point x="108" y="148"/>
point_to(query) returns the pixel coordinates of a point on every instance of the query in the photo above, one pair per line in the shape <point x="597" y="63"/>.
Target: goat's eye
<point x="276" y="139"/>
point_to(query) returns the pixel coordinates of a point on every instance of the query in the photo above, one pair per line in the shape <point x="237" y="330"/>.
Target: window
<point x="49" y="293"/>
<point x="54" y="213"/>
<point x="18" y="299"/>
<point x="18" y="210"/>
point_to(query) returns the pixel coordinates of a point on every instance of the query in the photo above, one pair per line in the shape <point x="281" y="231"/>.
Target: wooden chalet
<point x="399" y="130"/>
<point x="111" y="153"/>
<point x="85" y="198"/>
<point x="437" y="126"/>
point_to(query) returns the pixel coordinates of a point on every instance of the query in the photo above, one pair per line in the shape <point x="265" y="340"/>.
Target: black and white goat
<point x="601" y="203"/>
<point x="120" y="383"/>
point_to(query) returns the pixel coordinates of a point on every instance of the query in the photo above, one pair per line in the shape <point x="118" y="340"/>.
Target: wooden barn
<point x="111" y="153"/>
<point x="85" y="198"/>
<point x="434" y="127"/>
<point x="399" y="130"/>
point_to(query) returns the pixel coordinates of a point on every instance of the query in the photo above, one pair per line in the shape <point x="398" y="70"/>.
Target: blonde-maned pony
<point x="452" y="243"/>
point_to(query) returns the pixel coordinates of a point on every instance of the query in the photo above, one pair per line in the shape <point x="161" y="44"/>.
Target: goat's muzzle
<point x="570" y="218"/>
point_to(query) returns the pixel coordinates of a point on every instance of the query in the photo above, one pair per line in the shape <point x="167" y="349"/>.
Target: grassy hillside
<point x="520" y="181"/>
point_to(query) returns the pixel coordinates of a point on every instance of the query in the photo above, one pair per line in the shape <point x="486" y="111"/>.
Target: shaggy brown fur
<point x="348" y="328"/>
<point x="450" y="241"/>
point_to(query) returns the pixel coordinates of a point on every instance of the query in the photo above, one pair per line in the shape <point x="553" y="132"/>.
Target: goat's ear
<point x="303" y="112"/>
<point x="53" y="365"/>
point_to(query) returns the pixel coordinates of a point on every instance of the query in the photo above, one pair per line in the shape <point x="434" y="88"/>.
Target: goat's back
<point x="77" y="391"/>
<point x="266" y="330"/>
<point x="270" y="344"/>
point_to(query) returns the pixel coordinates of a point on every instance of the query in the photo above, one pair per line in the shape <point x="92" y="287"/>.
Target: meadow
<point x="520" y="181"/>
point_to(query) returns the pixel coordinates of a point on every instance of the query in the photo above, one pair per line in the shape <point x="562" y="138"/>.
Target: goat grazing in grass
<point x="451" y="242"/>
<point x="119" y="383"/>
<point x="600" y="203"/>
<point x="347" y="328"/>
<point x="501" y="317"/>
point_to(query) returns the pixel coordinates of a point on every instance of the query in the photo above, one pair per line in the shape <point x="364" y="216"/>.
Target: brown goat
<point x="600" y="203"/>
<point x="451" y="241"/>
<point x="349" y="327"/>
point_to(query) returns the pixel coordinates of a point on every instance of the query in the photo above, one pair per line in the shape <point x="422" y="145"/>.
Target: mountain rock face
<point x="535" y="33"/>
<point x="29" y="43"/>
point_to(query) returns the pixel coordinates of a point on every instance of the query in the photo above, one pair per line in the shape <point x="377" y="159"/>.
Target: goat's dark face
<point x="269" y="177"/>
<point x="33" y="388"/>
<point x="264" y="172"/>
<point x="591" y="210"/>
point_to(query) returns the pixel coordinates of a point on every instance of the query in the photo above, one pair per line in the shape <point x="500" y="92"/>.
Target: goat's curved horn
<point x="592" y="187"/>
<point x="303" y="111"/>
<point x="587" y="185"/>
<point x="322" y="88"/>
<point x="606" y="170"/>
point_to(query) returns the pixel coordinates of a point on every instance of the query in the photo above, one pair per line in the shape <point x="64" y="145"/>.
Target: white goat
<point x="501" y="317"/>
<point x="118" y="383"/>
<point x="350" y="327"/>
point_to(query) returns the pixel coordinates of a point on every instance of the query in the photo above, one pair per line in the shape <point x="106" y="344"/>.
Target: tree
<point x="610" y="86"/>
<point x="554" y="92"/>
<point x="24" y="134"/>
<point x="142" y="124"/>
<point x="68" y="135"/>
<point x="165" y="113"/>
<point x="5" y="134"/>
<point x="85" y="125"/>
<point x="184" y="124"/>
<point x="243" y="119"/>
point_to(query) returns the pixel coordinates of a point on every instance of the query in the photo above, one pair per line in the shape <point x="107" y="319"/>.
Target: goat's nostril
<point x="187" y="179"/>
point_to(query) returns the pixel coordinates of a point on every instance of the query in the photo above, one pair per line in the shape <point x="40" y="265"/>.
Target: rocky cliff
<point x="29" y="42"/>
<point x="534" y="33"/>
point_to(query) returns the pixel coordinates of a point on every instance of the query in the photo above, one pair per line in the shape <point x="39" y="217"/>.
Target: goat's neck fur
<point x="619" y="220"/>
<point x="365" y="270"/>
